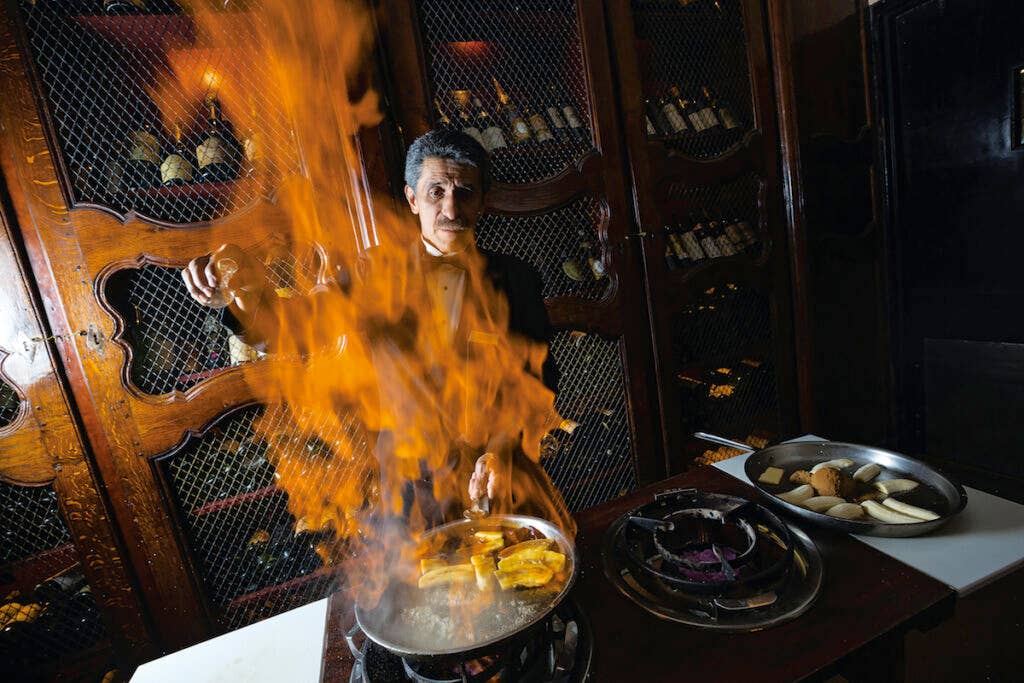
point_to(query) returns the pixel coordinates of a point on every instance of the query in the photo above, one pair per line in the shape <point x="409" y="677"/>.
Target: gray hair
<point x="446" y="144"/>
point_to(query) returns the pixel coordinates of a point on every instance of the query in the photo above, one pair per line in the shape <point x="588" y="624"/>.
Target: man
<point x="447" y="177"/>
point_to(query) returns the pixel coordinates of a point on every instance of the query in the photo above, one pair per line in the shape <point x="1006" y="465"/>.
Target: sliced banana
<point x="867" y="472"/>
<point x="837" y="464"/>
<point x="887" y="515"/>
<point x="846" y="511"/>
<point x="822" y="503"/>
<point x="891" y="486"/>
<point x="798" y="495"/>
<point x="912" y="510"/>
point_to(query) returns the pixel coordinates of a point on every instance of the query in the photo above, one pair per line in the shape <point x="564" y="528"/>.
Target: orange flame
<point x="368" y="355"/>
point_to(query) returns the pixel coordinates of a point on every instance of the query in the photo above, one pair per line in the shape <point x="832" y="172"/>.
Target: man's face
<point x="448" y="199"/>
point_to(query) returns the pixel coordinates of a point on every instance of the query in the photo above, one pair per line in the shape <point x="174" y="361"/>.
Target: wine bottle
<point x="556" y="440"/>
<point x="216" y="154"/>
<point x="706" y="240"/>
<point x="736" y="238"/>
<point x="518" y="126"/>
<point x="62" y="585"/>
<point x="706" y="112"/>
<point x="689" y="112"/>
<point x="251" y="147"/>
<point x="442" y="118"/>
<point x="559" y="127"/>
<point x="490" y="131"/>
<point x="176" y="169"/>
<point x="691" y="240"/>
<point x="141" y="168"/>
<point x="722" y="111"/>
<point x="124" y="6"/>
<point x="576" y="127"/>
<point x="721" y="239"/>
<point x="655" y="119"/>
<point x="465" y="116"/>
<point x="539" y="124"/>
<point x="678" y="247"/>
<point x="743" y="226"/>
<point x="674" y="117"/>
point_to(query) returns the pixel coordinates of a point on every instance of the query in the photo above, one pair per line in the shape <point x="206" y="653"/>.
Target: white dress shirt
<point x="446" y="285"/>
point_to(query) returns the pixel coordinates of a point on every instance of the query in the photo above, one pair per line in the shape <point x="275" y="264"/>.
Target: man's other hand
<point x="204" y="283"/>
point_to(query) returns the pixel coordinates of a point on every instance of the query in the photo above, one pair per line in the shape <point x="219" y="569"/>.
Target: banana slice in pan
<point x="912" y="510"/>
<point x="887" y="515"/>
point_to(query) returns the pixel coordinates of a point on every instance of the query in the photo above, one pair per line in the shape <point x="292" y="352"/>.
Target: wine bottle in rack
<point x="576" y="127"/>
<point x="176" y="168"/>
<point x="706" y="240"/>
<point x="62" y="585"/>
<point x="673" y="115"/>
<point x="721" y="239"/>
<point x="749" y="236"/>
<point x="442" y="117"/>
<point x="723" y="112"/>
<point x="491" y="133"/>
<point x="216" y="154"/>
<point x="124" y="6"/>
<point x="465" y="121"/>
<point x="677" y="248"/>
<point x="656" y="122"/>
<point x="685" y="107"/>
<point x="251" y="148"/>
<point x="736" y="237"/>
<point x="705" y="111"/>
<point x="691" y="240"/>
<point x="539" y="125"/>
<point x="518" y="126"/>
<point x="141" y="167"/>
<point x="559" y="127"/>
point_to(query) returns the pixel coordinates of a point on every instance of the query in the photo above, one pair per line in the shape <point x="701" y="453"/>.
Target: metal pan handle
<point x="350" y="638"/>
<point x="722" y="441"/>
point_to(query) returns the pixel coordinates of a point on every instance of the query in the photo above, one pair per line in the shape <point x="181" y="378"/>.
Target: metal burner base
<point x="561" y="652"/>
<point x="792" y="597"/>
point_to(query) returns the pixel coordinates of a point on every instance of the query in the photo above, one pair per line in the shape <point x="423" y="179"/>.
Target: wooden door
<point x="560" y="204"/>
<point x="721" y="313"/>
<point x="158" y="378"/>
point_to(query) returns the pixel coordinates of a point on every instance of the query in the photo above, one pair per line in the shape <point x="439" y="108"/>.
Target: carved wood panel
<point x="42" y="453"/>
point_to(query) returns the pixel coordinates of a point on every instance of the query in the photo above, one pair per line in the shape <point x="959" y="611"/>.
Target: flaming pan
<point x="432" y="622"/>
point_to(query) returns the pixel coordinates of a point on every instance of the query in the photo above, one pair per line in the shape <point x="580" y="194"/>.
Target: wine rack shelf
<point x="26" y="573"/>
<point x="240" y="499"/>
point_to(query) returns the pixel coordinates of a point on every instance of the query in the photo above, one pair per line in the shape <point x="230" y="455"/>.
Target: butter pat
<point x="772" y="475"/>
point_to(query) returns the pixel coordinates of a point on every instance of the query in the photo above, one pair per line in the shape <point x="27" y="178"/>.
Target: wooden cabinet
<point x="155" y="376"/>
<point x="650" y="348"/>
<point x="721" y="322"/>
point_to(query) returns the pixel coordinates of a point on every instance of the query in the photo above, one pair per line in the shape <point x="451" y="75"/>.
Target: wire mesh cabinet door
<point x="531" y="80"/>
<point x="132" y="145"/>
<point x="701" y="134"/>
<point x="66" y="605"/>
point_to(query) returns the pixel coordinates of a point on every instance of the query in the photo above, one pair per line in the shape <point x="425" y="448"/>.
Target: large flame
<point x="368" y="347"/>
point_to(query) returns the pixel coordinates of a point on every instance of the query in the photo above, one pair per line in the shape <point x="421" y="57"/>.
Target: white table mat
<point x="285" y="648"/>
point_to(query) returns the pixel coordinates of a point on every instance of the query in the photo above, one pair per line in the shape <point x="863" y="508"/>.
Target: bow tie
<point x="431" y="262"/>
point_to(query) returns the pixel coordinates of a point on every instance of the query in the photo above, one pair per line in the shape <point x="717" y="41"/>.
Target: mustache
<point x="457" y="225"/>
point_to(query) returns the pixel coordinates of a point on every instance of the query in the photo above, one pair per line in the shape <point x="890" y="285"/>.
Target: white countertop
<point x="987" y="539"/>
<point x="981" y="544"/>
<point x="286" y="648"/>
